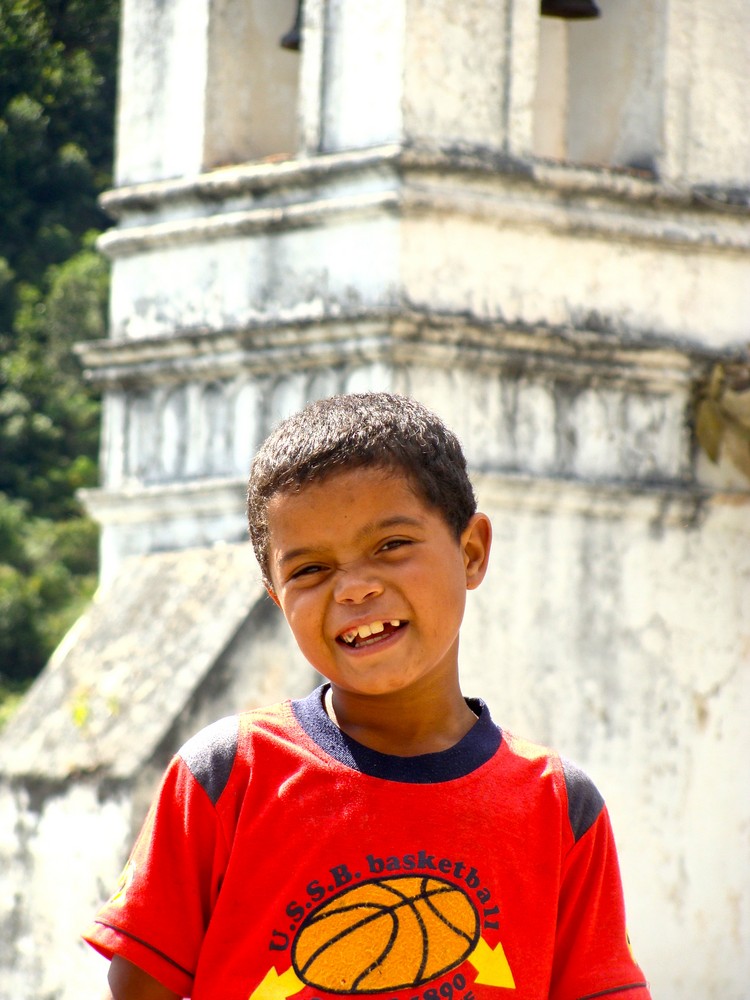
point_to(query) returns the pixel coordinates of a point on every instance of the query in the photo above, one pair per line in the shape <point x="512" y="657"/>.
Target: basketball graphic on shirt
<point x="386" y="934"/>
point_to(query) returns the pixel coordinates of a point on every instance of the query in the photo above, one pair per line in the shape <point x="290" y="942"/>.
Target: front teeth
<point x="365" y="631"/>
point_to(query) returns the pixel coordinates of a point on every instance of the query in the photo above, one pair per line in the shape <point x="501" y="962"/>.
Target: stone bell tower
<point x="538" y="226"/>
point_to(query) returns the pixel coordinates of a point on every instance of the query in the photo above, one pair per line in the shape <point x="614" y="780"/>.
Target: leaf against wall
<point x="736" y="446"/>
<point x="736" y="404"/>
<point x="709" y="427"/>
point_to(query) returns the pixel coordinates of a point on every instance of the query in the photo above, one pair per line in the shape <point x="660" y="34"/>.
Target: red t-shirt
<point x="282" y="859"/>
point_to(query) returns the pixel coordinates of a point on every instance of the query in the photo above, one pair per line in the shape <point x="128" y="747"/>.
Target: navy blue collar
<point x="475" y="749"/>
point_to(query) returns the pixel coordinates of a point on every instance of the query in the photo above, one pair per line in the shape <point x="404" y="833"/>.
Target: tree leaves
<point x="58" y="62"/>
<point x="56" y="126"/>
<point x="722" y="415"/>
<point x="47" y="572"/>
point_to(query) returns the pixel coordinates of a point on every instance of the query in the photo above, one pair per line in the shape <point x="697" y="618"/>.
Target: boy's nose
<point x="353" y="586"/>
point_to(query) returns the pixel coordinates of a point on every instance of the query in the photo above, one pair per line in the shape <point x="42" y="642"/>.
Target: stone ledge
<point x="438" y="340"/>
<point x="605" y="497"/>
<point x="289" y="194"/>
<point x="663" y="504"/>
<point x="130" y="665"/>
<point x="245" y="180"/>
<point x="230" y="225"/>
<point x="191" y="498"/>
<point x="256" y="178"/>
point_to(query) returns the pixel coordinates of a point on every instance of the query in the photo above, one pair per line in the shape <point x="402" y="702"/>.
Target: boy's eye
<point x="306" y="571"/>
<point x="394" y="543"/>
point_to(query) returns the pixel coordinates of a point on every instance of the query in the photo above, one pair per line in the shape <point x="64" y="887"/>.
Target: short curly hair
<point x="373" y="429"/>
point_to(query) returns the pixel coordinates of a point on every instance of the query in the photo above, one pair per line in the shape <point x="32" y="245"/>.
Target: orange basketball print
<point x="386" y="934"/>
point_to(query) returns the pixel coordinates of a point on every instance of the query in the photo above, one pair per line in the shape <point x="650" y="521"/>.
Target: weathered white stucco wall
<point x="59" y="848"/>
<point x="621" y="637"/>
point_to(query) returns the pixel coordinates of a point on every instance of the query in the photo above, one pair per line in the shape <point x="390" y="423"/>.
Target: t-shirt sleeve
<point x="158" y="915"/>
<point x="592" y="951"/>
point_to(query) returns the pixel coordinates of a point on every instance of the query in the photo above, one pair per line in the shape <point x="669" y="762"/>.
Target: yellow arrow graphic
<point x="277" y="987"/>
<point x="492" y="966"/>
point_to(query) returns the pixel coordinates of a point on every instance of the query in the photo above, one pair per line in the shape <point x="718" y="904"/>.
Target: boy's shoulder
<point x="212" y="753"/>
<point x="584" y="800"/>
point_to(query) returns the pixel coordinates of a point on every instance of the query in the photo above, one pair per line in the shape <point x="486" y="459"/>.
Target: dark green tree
<point x="58" y="61"/>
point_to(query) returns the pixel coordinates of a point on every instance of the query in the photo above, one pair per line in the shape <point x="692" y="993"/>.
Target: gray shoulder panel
<point x="584" y="799"/>
<point x="210" y="755"/>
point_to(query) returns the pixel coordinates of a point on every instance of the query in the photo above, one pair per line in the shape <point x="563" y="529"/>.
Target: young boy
<point x="383" y="835"/>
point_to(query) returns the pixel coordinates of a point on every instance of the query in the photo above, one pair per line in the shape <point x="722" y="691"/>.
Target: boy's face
<point x="361" y="552"/>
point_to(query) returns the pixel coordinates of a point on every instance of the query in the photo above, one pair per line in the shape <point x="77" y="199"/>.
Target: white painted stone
<point x="564" y="249"/>
<point x="455" y="74"/>
<point x="630" y="658"/>
<point x="550" y="112"/>
<point x="410" y="71"/>
<point x="707" y="93"/>
<point x="253" y="84"/>
<point x="538" y="274"/>
<point x="162" y="83"/>
<point x="69" y="846"/>
<point x="362" y="97"/>
<point x="616" y="85"/>
<point x="203" y="83"/>
<point x="233" y="282"/>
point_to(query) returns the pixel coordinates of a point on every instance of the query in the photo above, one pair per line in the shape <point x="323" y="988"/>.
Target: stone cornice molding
<point x="397" y="339"/>
<point x="290" y="194"/>
<point x="257" y="178"/>
<point x="667" y="503"/>
<point x="247" y="180"/>
<point x="230" y="225"/>
<point x="156" y="504"/>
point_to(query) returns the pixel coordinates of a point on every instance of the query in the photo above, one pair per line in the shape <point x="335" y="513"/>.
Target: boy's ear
<point x="272" y="594"/>
<point x="476" y="541"/>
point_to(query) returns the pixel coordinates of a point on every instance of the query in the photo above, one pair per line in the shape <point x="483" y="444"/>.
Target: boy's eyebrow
<point x="397" y="520"/>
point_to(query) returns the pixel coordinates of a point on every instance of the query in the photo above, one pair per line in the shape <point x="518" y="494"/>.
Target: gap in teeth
<point x="372" y="628"/>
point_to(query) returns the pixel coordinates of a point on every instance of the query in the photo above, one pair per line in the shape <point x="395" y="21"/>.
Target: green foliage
<point x="47" y="574"/>
<point x="11" y="693"/>
<point x="49" y="418"/>
<point x="20" y="641"/>
<point x="57" y="86"/>
<point x="58" y="62"/>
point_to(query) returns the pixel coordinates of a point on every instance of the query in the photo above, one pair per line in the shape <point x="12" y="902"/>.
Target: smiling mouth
<point x="371" y="633"/>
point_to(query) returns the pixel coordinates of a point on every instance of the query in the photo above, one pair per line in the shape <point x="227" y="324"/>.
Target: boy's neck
<point x="404" y="724"/>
